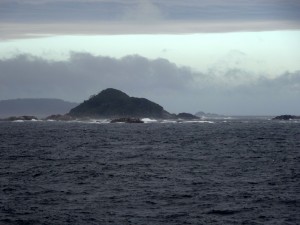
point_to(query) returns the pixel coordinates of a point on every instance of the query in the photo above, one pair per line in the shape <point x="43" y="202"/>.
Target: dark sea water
<point x="234" y="172"/>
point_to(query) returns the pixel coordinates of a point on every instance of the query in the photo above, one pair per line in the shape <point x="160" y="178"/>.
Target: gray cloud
<point x="85" y="74"/>
<point x="79" y="10"/>
<point x="176" y="88"/>
<point x="36" y="30"/>
<point x="20" y="18"/>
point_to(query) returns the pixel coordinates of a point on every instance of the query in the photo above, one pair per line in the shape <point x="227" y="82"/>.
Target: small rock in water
<point x="16" y="118"/>
<point x="286" y="117"/>
<point x="59" y="117"/>
<point x="127" y="120"/>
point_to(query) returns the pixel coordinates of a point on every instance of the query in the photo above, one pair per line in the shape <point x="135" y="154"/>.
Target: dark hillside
<point x="112" y="103"/>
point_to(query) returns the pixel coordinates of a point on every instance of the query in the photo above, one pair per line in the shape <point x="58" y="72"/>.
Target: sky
<point x="232" y="57"/>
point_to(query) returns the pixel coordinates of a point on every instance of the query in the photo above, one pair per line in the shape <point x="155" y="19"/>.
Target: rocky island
<point x="187" y="116"/>
<point x="112" y="103"/>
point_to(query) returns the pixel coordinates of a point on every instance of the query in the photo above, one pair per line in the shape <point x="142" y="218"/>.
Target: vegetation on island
<point x="112" y="103"/>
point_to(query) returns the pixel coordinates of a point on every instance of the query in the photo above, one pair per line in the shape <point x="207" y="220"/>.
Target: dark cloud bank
<point x="32" y="18"/>
<point x="116" y="10"/>
<point x="176" y="88"/>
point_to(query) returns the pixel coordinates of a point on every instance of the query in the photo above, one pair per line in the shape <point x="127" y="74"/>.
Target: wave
<point x="18" y="121"/>
<point x="197" y="121"/>
<point x="148" y="120"/>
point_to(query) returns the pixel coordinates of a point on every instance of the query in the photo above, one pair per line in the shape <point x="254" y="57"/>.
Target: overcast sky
<point x="220" y="56"/>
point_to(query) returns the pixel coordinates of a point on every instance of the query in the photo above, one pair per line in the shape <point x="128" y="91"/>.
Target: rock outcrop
<point x="209" y="115"/>
<point x="286" y="117"/>
<point x="187" y="116"/>
<point x="59" y="117"/>
<point x="127" y="120"/>
<point x="15" y="118"/>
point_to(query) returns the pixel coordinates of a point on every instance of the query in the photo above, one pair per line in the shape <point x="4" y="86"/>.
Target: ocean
<point x="231" y="171"/>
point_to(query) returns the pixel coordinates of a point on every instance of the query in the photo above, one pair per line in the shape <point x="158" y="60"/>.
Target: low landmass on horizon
<point x="38" y="107"/>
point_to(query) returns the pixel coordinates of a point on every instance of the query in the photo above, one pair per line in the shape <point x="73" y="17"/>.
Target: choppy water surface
<point x="233" y="172"/>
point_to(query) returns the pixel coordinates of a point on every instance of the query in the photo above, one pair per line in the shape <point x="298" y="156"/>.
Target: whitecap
<point x="198" y="121"/>
<point x="148" y="120"/>
<point x="104" y="121"/>
<point x="18" y="121"/>
<point x="35" y="120"/>
<point x="169" y="121"/>
<point x="100" y="121"/>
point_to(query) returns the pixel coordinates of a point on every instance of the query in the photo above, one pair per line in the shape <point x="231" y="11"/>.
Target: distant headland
<point x="38" y="107"/>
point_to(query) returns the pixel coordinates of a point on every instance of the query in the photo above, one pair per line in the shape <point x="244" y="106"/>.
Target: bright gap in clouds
<point x="271" y="53"/>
